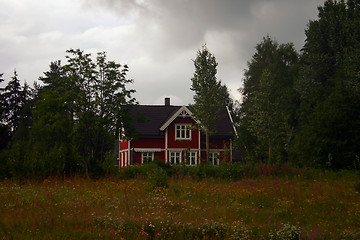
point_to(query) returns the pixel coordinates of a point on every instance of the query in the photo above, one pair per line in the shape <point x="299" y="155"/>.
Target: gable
<point x="182" y="112"/>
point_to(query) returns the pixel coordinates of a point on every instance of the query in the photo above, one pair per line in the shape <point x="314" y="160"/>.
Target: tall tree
<point x="210" y="95"/>
<point x="4" y="132"/>
<point x="268" y="109"/>
<point x="52" y="150"/>
<point x="329" y="87"/>
<point x="15" y="119"/>
<point x="103" y="93"/>
<point x="14" y="99"/>
<point x="79" y="112"/>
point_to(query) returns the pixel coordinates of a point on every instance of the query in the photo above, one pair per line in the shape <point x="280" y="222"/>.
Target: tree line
<point x="305" y="107"/>
<point x="302" y="108"/>
<point x="70" y="123"/>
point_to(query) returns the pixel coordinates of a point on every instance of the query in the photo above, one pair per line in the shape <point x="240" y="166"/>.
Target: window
<point x="191" y="158"/>
<point x="183" y="131"/>
<point x="147" y="157"/>
<point x="175" y="158"/>
<point x="214" y="158"/>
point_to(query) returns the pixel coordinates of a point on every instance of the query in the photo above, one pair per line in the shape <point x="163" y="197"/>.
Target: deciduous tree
<point x="269" y="101"/>
<point x="210" y="94"/>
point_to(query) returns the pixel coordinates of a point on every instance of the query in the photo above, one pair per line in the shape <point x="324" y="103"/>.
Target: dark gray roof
<point x="224" y="127"/>
<point x="148" y="119"/>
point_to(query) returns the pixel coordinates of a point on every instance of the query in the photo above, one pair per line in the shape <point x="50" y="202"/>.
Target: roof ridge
<point x="160" y="105"/>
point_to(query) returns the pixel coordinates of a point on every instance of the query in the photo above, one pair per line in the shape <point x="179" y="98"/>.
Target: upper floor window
<point x="183" y="131"/>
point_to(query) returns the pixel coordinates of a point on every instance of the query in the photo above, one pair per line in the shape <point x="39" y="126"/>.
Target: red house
<point x="170" y="133"/>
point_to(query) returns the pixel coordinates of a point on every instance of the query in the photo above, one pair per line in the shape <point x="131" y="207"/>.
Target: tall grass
<point x="266" y="202"/>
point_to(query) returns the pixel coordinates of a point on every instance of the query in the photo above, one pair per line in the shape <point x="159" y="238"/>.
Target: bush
<point x="226" y="171"/>
<point x="157" y="178"/>
<point x="136" y="171"/>
<point x="108" y="165"/>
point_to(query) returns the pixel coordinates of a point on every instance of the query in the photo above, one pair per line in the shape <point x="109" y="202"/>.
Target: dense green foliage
<point x="329" y="88"/>
<point x="307" y="109"/>
<point x="269" y="106"/>
<point x="75" y="117"/>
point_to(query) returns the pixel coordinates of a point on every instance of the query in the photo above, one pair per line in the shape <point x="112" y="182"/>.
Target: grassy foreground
<point x="301" y="206"/>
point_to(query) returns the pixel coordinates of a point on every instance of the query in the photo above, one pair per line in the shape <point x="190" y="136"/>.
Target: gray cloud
<point x="156" y="38"/>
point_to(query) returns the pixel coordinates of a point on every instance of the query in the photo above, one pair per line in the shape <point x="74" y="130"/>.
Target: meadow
<point x="272" y="203"/>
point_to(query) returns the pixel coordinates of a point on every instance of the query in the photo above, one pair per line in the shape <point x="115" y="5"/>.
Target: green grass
<point x="301" y="205"/>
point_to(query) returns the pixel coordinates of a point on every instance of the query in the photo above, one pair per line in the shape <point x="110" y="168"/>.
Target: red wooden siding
<point x="183" y="144"/>
<point x="148" y="143"/>
<point x="123" y="145"/>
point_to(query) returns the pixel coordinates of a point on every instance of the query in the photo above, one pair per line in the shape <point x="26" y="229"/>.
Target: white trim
<point x="125" y="159"/>
<point x="147" y="149"/>
<point x="178" y="149"/>
<point x="128" y="159"/>
<point x="119" y="162"/>
<point x="173" y="117"/>
<point x="166" y="145"/>
<point x="232" y="122"/>
<point x="199" y="145"/>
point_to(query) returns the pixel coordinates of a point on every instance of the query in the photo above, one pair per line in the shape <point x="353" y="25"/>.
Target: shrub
<point x="157" y="178"/>
<point x="108" y="165"/>
<point x="136" y="171"/>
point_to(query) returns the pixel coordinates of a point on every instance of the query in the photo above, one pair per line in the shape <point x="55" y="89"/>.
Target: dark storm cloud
<point x="186" y="22"/>
<point x="230" y="28"/>
<point x="183" y="23"/>
<point x="157" y="38"/>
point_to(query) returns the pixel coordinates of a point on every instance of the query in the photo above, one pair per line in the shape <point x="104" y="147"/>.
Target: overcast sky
<point x="158" y="39"/>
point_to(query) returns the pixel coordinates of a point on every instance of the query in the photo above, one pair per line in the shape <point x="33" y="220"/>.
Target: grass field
<point x="303" y="205"/>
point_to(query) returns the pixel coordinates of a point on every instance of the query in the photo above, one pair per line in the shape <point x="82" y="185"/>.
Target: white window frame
<point x="213" y="156"/>
<point x="182" y="131"/>
<point x="192" y="157"/>
<point x="147" y="155"/>
<point x="174" y="157"/>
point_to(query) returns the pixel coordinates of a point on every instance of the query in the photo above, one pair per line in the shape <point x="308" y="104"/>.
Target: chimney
<point x="167" y="101"/>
